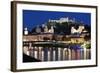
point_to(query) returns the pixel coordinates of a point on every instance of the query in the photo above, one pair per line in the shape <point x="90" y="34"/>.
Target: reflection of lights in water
<point x="84" y="48"/>
<point x="64" y="53"/>
<point x="48" y="55"/>
<point x="42" y="55"/>
<point x="59" y="53"/>
<point x="54" y="57"/>
<point x="35" y="54"/>
<point x="69" y="54"/>
<point x="74" y="52"/>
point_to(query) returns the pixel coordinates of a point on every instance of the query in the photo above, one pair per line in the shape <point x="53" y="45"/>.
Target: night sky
<point x="32" y="18"/>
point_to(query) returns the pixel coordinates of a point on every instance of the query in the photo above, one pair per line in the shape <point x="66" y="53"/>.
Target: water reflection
<point x="71" y="52"/>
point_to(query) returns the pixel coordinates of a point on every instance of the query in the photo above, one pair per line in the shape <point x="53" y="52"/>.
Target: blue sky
<point x="32" y="18"/>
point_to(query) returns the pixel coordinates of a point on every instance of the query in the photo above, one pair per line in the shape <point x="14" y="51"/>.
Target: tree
<point x="88" y="46"/>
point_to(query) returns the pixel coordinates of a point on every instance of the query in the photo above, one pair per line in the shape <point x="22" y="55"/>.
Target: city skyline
<point x="32" y="18"/>
<point x="65" y="36"/>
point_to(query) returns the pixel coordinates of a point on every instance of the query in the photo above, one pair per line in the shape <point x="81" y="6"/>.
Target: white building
<point x="51" y="30"/>
<point x="79" y="30"/>
<point x="38" y="29"/>
<point x="25" y="31"/>
<point x="45" y="29"/>
<point x="61" y="20"/>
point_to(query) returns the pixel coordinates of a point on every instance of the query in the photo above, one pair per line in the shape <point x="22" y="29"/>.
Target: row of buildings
<point x="79" y="30"/>
<point x="76" y="39"/>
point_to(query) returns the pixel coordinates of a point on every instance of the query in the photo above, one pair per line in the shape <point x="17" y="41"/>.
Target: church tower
<point x="25" y="31"/>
